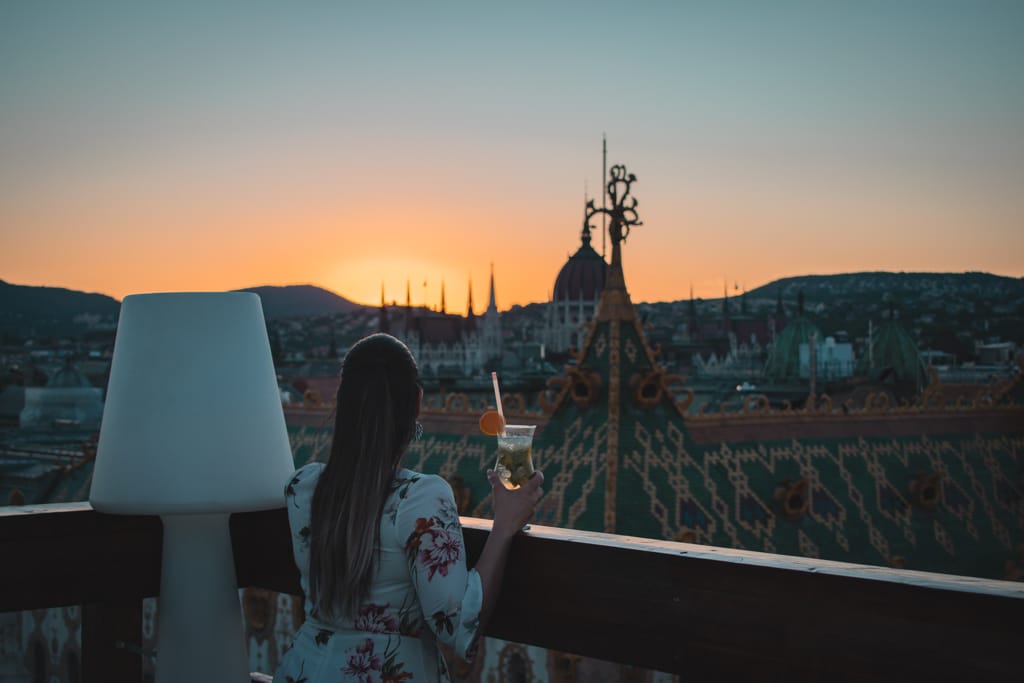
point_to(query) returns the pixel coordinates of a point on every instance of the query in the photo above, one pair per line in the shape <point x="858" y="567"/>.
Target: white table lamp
<point x="192" y="431"/>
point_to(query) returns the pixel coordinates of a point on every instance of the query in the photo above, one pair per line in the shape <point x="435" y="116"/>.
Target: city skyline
<point x="194" y="147"/>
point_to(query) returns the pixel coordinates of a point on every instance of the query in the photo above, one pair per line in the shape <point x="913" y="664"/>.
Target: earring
<point x="419" y="430"/>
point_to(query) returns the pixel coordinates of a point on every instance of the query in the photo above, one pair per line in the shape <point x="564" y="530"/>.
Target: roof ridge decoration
<point x="615" y="303"/>
<point x="615" y="366"/>
<point x="583" y="384"/>
<point x="613" y="309"/>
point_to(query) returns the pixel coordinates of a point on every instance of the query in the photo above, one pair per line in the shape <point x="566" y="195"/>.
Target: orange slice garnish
<point x="491" y="423"/>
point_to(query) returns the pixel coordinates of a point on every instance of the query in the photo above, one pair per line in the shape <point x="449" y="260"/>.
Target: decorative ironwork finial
<point x="622" y="212"/>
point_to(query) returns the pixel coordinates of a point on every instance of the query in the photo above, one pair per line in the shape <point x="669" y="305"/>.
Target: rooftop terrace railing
<point x="705" y="613"/>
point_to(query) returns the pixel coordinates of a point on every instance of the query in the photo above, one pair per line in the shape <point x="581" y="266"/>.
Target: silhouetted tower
<point x="725" y="308"/>
<point x="408" y="307"/>
<point x="692" y="317"/>
<point x="470" y="315"/>
<point x="491" y="336"/>
<point x="384" y="323"/>
<point x="779" y="321"/>
<point x="442" y="297"/>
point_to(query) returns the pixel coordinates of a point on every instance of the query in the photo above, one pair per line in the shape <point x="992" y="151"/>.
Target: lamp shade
<point x="192" y="421"/>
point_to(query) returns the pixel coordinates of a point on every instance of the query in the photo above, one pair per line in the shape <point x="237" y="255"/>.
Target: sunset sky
<point x="210" y="146"/>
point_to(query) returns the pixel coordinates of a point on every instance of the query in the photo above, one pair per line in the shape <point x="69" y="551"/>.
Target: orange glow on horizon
<point x="99" y="242"/>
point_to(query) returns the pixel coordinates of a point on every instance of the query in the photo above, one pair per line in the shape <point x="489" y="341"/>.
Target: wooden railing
<point x="702" y="612"/>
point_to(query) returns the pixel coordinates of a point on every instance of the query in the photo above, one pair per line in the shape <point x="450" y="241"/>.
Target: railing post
<point x="112" y="642"/>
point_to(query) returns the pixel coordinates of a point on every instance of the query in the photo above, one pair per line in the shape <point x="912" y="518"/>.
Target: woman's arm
<point x="454" y="601"/>
<point x="512" y="509"/>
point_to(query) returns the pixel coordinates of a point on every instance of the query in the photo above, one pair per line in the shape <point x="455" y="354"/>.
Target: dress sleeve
<point x="298" y="496"/>
<point x="427" y="524"/>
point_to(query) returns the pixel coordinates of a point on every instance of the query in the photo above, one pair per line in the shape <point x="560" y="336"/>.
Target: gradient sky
<point x="210" y="146"/>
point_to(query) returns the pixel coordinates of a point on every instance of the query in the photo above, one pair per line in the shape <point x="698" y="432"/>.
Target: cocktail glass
<point x="515" y="455"/>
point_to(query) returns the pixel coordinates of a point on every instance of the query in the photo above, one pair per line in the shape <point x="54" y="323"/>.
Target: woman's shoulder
<point x="302" y="481"/>
<point x="407" y="480"/>
<point x="414" y="489"/>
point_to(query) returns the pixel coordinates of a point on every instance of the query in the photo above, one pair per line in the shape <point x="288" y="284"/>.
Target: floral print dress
<point x="422" y="592"/>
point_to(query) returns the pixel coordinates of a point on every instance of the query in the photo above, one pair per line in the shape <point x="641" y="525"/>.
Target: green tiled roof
<point x="892" y="348"/>
<point x="784" y="359"/>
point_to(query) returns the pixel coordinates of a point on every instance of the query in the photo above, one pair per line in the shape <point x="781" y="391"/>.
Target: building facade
<point x="447" y="345"/>
<point x="575" y="297"/>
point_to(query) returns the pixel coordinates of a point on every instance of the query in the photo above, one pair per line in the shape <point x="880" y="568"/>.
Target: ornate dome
<point x="582" y="276"/>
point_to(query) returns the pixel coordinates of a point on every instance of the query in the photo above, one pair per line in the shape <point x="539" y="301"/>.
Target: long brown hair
<point x="378" y="402"/>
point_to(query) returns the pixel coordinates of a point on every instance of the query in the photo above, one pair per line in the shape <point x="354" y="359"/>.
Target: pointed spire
<point x="408" y="294"/>
<point x="442" y="296"/>
<point x="383" y="319"/>
<point x="604" y="193"/>
<point x="491" y="304"/>
<point x="585" y="234"/>
<point x="469" y="304"/>
<point x="725" y="299"/>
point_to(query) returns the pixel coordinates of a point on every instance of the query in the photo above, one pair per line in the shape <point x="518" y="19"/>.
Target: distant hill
<point x="51" y="302"/>
<point x="897" y="285"/>
<point x="29" y="311"/>
<point x="54" y="311"/>
<point x="951" y="312"/>
<point x="296" y="301"/>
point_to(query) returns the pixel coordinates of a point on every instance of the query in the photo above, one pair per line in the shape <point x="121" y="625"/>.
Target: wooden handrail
<point x="688" y="609"/>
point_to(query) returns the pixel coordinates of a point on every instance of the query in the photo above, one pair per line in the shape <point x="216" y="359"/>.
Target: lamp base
<point x="199" y="636"/>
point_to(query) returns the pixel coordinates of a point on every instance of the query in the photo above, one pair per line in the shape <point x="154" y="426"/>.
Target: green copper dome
<point x="784" y="359"/>
<point x="892" y="348"/>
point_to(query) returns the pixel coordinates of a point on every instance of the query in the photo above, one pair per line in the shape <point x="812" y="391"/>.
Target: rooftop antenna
<point x="604" y="192"/>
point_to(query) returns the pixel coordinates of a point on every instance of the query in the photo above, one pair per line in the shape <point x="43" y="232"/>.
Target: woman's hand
<point x="514" y="507"/>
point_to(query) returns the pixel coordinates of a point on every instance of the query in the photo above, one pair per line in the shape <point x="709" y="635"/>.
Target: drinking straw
<point x="497" y="399"/>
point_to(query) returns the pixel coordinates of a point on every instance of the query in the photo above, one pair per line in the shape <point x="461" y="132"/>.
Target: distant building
<point x="783" y="364"/>
<point x="893" y="357"/>
<point x="447" y="345"/>
<point x="731" y="344"/>
<point x="491" y="337"/>
<point x="575" y="297"/>
<point x="833" y="360"/>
